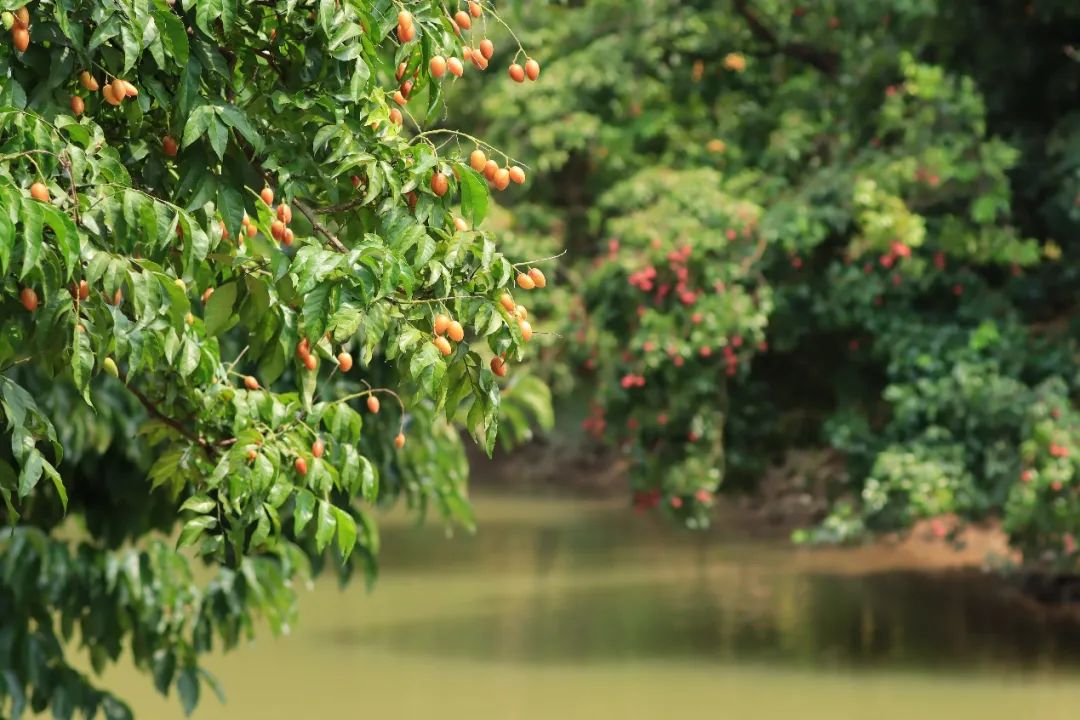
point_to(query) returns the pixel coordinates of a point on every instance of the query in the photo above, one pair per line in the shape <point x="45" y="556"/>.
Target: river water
<point x="565" y="609"/>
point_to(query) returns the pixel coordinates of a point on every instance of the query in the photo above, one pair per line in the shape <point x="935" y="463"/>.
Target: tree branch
<point x="175" y="424"/>
<point x="824" y="60"/>
<point x="319" y="227"/>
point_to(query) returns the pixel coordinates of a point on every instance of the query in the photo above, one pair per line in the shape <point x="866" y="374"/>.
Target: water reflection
<point x="608" y="586"/>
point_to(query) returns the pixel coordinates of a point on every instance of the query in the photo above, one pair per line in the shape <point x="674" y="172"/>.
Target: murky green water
<point x="577" y="609"/>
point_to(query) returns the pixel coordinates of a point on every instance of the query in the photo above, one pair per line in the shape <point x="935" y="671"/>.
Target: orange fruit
<point x="538" y="278"/>
<point x="517" y="175"/>
<point x="399" y="98"/>
<point x="251" y="383"/>
<point x="441" y="323"/>
<point x="400" y="72"/>
<point x="438" y="66"/>
<point x="498" y="366"/>
<point x="84" y="289"/>
<point x="344" y="360"/>
<point x="87" y="81"/>
<point x="517" y="73"/>
<point x="107" y="93"/>
<point x="460" y="225"/>
<point x="502" y="179"/>
<point x="399" y="440"/>
<point x="463" y="20"/>
<point x="491" y="169"/>
<point x="303" y="348"/>
<point x="206" y="294"/>
<point x="77" y="105"/>
<point x="20" y="37"/>
<point x="318" y="448"/>
<point x="477" y="160"/>
<point x="252" y="231"/>
<point x="311" y="363"/>
<point x="395" y="117"/>
<point x="532" y="69"/>
<point x="38" y="191"/>
<point x="455" y="66"/>
<point x="507" y="302"/>
<point x="129" y="90"/>
<point x="475" y="9"/>
<point x="487" y="48"/>
<point x="284" y="213"/>
<point x="373" y="403"/>
<point x="169" y="146"/>
<point x="443" y="345"/>
<point x="22" y="18"/>
<point x="29" y="299"/>
<point x="455" y="332"/>
<point x="301" y="466"/>
<point x="525" y="282"/>
<point x="439" y="184"/>
<point x="267" y="196"/>
<point x="526" y="330"/>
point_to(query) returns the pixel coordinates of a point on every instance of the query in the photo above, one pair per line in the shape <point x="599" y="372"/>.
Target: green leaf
<point x="32" y="218"/>
<point x="67" y="237"/>
<point x="325" y="525"/>
<point x="187" y="685"/>
<point x="200" y="504"/>
<point x="303" y="511"/>
<point x="474" y="195"/>
<point x="193" y="528"/>
<point x="346" y="532"/>
<point x="173" y="34"/>
<point x="197" y="123"/>
<point x="219" y="308"/>
<point x="82" y="363"/>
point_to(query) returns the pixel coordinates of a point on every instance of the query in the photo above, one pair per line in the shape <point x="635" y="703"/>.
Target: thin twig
<point x="319" y="227"/>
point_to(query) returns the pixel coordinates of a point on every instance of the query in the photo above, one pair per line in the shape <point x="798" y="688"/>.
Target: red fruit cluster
<point x="631" y="381"/>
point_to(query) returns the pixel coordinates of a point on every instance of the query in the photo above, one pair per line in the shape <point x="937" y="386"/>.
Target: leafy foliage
<point x="176" y="349"/>
<point x="913" y="196"/>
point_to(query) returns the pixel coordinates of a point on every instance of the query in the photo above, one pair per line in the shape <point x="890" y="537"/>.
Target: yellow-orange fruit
<point x="395" y="117"/>
<point x="463" y="20"/>
<point x="267" y="196"/>
<point x="87" y="81"/>
<point x="498" y="366"/>
<point x="477" y="160"/>
<point x="344" y="361"/>
<point x="525" y="282"/>
<point x="521" y="313"/>
<point x="460" y="225"/>
<point x="538" y="278"/>
<point x="107" y="93"/>
<point x="455" y="332"/>
<point x="168" y="145"/>
<point x="400" y="71"/>
<point x="20" y="38"/>
<point x="487" y="48"/>
<point x="251" y="383"/>
<point x="507" y="302"/>
<point x="399" y="440"/>
<point x="438" y="66"/>
<point x="22" y="17"/>
<point x="373" y="403"/>
<point x="284" y="213"/>
<point x="129" y="90"/>
<point x="38" y="191"/>
<point x="441" y="323"/>
<point x="502" y="179"/>
<point x="119" y="88"/>
<point x="517" y="175"/>
<point x="277" y="230"/>
<point x="301" y="466"/>
<point x="29" y="299"/>
<point x="526" y="330"/>
<point x="77" y="105"/>
<point x="479" y="60"/>
<point x="439" y="184"/>
<point x="517" y="73"/>
<point x="207" y="293"/>
<point x="475" y="9"/>
<point x="443" y="345"/>
<point x="84" y="290"/>
<point x="252" y="231"/>
<point x="491" y="169"/>
<point x="399" y="98"/>
<point x="287" y="237"/>
<point x="406" y="34"/>
<point x="311" y="363"/>
<point x="532" y="69"/>
<point x="455" y="66"/>
<point x="318" y="448"/>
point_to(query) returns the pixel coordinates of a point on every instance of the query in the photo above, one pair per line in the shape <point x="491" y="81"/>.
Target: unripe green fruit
<point x="110" y="367"/>
<point x="8" y="19"/>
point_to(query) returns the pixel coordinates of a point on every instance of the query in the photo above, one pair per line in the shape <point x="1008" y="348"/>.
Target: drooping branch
<point x="826" y="61"/>
<point x="318" y="226"/>
<point x="153" y="409"/>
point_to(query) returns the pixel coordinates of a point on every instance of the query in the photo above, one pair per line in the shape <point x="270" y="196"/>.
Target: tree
<point x="912" y="193"/>
<point x="237" y="310"/>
